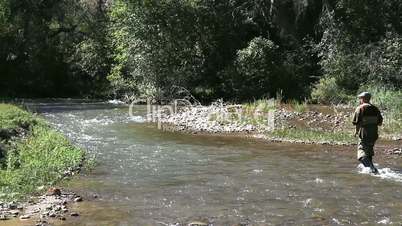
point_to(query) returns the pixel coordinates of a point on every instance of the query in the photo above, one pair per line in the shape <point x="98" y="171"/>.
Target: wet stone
<point x="12" y="206"/>
<point x="14" y="212"/>
<point x="24" y="217"/>
<point x="78" y="199"/>
<point x="74" y="214"/>
<point x="52" y="214"/>
<point x="198" y="223"/>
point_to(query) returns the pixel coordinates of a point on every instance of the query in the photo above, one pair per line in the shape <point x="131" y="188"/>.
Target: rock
<point x="198" y="223"/>
<point x="74" y="214"/>
<point x="53" y="191"/>
<point x="78" y="199"/>
<point x="62" y="218"/>
<point x="57" y="208"/>
<point x="14" y="212"/>
<point x="24" y="217"/>
<point x="12" y="206"/>
<point x="52" y="214"/>
<point x="3" y="217"/>
<point x="395" y="151"/>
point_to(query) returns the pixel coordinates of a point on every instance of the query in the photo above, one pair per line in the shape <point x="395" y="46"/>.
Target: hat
<point x="364" y="95"/>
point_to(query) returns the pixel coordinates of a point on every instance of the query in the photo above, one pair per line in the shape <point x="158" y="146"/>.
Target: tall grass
<point x="38" y="160"/>
<point x="298" y="106"/>
<point x="256" y="112"/>
<point x="316" y="136"/>
<point x="262" y="105"/>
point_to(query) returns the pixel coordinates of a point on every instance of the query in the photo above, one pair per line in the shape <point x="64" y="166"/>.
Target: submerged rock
<point x="394" y="151"/>
<point x="24" y="217"/>
<point x="78" y="199"/>
<point x="198" y="223"/>
<point x="74" y="214"/>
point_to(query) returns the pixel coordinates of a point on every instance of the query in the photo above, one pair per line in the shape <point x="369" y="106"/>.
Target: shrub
<point x="327" y="91"/>
<point x="255" y="70"/>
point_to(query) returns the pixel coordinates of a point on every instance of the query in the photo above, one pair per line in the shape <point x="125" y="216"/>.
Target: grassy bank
<point x="33" y="154"/>
<point x="313" y="136"/>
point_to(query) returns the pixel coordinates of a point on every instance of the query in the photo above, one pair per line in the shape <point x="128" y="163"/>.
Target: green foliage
<point x="39" y="160"/>
<point x="239" y="50"/>
<point x="262" y="105"/>
<point x="257" y="62"/>
<point x="298" y="106"/>
<point x="362" y="51"/>
<point x="12" y="117"/>
<point x="4" y="15"/>
<point x="327" y="91"/>
<point x="42" y="48"/>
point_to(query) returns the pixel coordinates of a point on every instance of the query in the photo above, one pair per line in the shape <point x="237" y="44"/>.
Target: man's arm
<point x="380" y="118"/>
<point x="357" y="120"/>
<point x="356" y="117"/>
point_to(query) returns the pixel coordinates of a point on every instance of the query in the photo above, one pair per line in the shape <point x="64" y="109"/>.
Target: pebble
<point x="198" y="223"/>
<point x="24" y="217"/>
<point x="78" y="199"/>
<point x="395" y="151"/>
<point x="12" y="206"/>
<point x="14" y="212"/>
<point x="74" y="214"/>
<point x="57" y="208"/>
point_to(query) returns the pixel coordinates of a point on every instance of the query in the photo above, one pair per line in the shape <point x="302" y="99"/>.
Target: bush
<point x="255" y="71"/>
<point x="349" y="64"/>
<point x="327" y="91"/>
<point x="12" y="117"/>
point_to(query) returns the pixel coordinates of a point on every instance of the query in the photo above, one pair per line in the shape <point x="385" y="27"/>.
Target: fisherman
<point x="367" y="118"/>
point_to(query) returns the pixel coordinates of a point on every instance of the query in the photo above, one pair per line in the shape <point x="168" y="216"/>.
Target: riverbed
<point x="145" y="176"/>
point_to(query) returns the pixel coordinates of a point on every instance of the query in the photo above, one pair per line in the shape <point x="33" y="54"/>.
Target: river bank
<point x="274" y="122"/>
<point x="33" y="159"/>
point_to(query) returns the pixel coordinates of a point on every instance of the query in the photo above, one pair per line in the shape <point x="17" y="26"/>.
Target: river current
<point x="145" y="176"/>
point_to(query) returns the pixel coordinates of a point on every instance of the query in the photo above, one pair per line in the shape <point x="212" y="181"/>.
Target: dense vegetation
<point x="32" y="154"/>
<point x="233" y="49"/>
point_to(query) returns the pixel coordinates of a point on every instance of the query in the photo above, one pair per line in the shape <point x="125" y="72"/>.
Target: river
<point x="145" y="176"/>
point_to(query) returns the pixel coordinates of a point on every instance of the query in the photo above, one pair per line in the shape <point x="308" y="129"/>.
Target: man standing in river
<point x="367" y="118"/>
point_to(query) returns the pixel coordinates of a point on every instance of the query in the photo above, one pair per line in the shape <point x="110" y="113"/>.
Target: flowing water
<point x="145" y="176"/>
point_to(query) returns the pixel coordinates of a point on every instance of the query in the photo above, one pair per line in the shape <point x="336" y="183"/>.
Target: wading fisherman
<point x="367" y="118"/>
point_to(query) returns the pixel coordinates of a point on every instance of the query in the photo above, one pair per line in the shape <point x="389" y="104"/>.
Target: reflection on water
<point x="149" y="177"/>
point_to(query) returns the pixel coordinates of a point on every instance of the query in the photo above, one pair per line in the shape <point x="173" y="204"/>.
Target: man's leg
<point x="365" y="161"/>
<point x="372" y="167"/>
<point x="365" y="154"/>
